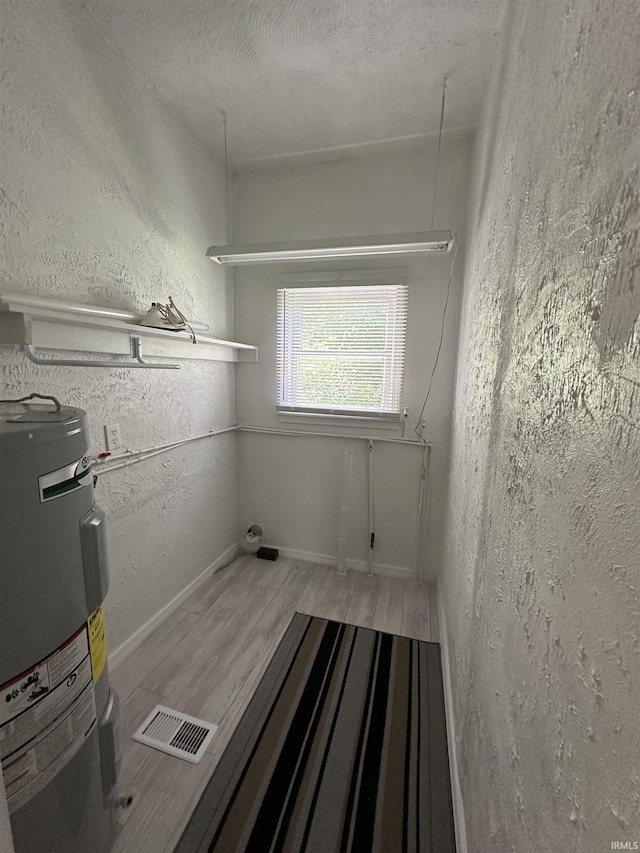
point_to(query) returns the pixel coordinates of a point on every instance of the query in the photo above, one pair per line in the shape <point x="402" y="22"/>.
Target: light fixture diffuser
<point x="319" y="250"/>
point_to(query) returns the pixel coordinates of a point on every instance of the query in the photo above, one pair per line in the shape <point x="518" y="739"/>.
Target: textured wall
<point x="299" y="76"/>
<point x="370" y="196"/>
<point x="106" y="199"/>
<point x="543" y="546"/>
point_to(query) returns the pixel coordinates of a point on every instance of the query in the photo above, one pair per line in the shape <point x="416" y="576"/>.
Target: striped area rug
<point x="342" y="748"/>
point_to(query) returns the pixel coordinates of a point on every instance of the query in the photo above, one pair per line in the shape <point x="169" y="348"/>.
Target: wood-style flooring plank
<point x="417" y="629"/>
<point x="297" y="577"/>
<point x="362" y="606"/>
<point x="338" y="598"/>
<point x="265" y="573"/>
<point x="225" y="662"/>
<point x="237" y="708"/>
<point x="152" y="653"/>
<point x="316" y="590"/>
<point x="250" y="649"/>
<point x="213" y="588"/>
<point x="388" y="613"/>
<point x="273" y="573"/>
<point x="416" y="600"/>
<point x="188" y="664"/>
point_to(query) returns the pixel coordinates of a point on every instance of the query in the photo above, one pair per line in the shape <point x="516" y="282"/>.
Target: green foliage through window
<point x="341" y="349"/>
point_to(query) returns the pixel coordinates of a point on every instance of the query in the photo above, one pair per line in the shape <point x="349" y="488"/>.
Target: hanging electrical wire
<point x="435" y="363"/>
<point x="226" y="174"/>
<point x="446" y="301"/>
<point x="226" y="186"/>
<point x="435" y="183"/>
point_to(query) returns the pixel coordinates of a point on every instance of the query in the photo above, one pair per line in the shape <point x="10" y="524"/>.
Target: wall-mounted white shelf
<point x="47" y="324"/>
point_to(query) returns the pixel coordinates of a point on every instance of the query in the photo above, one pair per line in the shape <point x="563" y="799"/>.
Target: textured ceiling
<point x="301" y="78"/>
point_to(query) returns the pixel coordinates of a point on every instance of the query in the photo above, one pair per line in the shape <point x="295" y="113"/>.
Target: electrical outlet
<point x="112" y="436"/>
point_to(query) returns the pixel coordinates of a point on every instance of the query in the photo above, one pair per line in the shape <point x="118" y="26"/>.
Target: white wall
<point x="292" y="485"/>
<point x="541" y="580"/>
<point x="107" y="200"/>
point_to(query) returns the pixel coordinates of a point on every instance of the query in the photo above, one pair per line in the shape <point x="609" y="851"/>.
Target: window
<point x="341" y="349"/>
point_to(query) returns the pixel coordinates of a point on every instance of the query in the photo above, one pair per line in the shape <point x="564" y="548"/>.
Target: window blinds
<point x="341" y="349"/>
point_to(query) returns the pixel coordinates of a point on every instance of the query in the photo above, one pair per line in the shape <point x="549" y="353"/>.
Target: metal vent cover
<point x="176" y="733"/>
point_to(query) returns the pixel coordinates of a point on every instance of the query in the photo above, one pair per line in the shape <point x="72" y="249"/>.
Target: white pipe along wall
<point x="541" y="581"/>
<point x="345" y="511"/>
<point x="384" y="194"/>
<point x="110" y="202"/>
<point x="107" y="461"/>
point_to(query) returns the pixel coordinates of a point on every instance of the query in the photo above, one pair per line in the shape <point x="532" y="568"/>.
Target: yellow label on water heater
<point x="97" y="643"/>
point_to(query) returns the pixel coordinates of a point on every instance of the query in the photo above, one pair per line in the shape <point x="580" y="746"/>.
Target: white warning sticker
<point x="45" y="715"/>
<point x="33" y="686"/>
<point x="27" y="770"/>
<point x="26" y="726"/>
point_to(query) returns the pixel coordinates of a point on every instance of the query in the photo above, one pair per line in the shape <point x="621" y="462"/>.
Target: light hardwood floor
<point x="209" y="655"/>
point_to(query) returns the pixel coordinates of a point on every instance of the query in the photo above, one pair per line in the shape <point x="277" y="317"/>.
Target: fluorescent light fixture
<point x="319" y="250"/>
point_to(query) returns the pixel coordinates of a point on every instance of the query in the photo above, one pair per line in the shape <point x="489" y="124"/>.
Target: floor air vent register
<point x="176" y="733"/>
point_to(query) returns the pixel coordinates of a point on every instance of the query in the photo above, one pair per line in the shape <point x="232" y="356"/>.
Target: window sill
<point x="316" y="419"/>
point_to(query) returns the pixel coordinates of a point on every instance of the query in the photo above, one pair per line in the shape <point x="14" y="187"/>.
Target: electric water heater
<point x="59" y="722"/>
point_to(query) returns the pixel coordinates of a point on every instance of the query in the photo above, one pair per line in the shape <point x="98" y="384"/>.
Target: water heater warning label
<point x="36" y="685"/>
<point x="45" y="714"/>
<point x="28" y="770"/>
<point x="97" y="642"/>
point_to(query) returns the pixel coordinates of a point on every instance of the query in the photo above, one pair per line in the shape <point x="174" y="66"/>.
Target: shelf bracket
<point x="30" y="351"/>
<point x="135" y="351"/>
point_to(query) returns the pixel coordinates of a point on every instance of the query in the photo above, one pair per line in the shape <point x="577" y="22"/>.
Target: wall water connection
<point x="422" y="513"/>
<point x="105" y="464"/>
<point x="128" y="457"/>
<point x="254" y="533"/>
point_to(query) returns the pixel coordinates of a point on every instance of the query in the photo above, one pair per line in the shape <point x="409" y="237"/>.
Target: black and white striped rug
<point x="342" y="748"/>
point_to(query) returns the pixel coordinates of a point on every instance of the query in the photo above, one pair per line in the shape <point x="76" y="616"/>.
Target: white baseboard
<point x="329" y="560"/>
<point x="125" y="649"/>
<point x="456" y="791"/>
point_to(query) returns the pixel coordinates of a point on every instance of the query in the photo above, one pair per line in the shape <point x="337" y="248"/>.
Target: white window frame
<point x="393" y="353"/>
